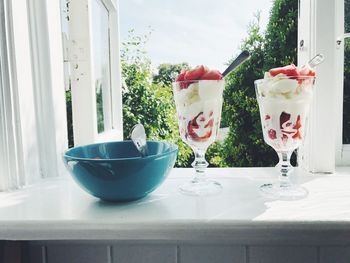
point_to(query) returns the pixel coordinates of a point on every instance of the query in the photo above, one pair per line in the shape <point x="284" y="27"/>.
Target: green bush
<point x="245" y="145"/>
<point x="346" y="105"/>
<point x="147" y="101"/>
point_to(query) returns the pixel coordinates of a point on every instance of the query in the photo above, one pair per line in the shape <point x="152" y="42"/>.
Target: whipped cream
<point x="284" y="103"/>
<point x="199" y="109"/>
<point x="282" y="86"/>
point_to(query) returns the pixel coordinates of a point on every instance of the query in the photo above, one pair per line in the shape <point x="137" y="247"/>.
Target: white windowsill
<point x="57" y="209"/>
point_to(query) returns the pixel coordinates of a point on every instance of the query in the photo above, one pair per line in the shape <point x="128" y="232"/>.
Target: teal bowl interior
<point x="115" y="171"/>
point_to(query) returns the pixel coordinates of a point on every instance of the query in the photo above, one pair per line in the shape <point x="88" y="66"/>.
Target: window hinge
<point x="341" y="38"/>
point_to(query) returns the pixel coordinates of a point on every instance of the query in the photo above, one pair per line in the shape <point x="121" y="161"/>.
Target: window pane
<point x="179" y="37"/>
<point x="346" y="111"/>
<point x="101" y="63"/>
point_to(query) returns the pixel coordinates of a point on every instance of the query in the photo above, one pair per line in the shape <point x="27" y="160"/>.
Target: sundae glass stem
<point x="286" y="169"/>
<point x="200" y="165"/>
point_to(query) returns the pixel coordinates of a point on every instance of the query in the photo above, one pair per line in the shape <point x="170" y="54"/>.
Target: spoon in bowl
<point x="138" y="136"/>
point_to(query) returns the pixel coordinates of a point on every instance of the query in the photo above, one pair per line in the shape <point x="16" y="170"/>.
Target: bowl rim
<point x="172" y="149"/>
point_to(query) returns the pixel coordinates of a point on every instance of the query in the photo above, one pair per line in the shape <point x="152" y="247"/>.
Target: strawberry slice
<point x="193" y="124"/>
<point x="297" y="135"/>
<point x="306" y="71"/>
<point x="272" y="134"/>
<point x="195" y="74"/>
<point x="181" y="76"/>
<point x="297" y="125"/>
<point x="212" y="75"/>
<point x="290" y="70"/>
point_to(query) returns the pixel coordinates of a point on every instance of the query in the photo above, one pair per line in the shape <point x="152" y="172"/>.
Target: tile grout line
<point x="44" y="254"/>
<point x="246" y="250"/>
<point x="178" y="252"/>
<point x="318" y="254"/>
<point x="109" y="254"/>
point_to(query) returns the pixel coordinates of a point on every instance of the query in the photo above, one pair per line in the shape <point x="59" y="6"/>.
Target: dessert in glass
<point x="198" y="95"/>
<point x="284" y="97"/>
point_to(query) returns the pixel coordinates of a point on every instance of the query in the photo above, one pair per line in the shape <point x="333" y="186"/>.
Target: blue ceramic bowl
<point x="115" y="171"/>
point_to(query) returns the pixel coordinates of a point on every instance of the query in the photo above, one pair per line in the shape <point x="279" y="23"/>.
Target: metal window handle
<point x="341" y="38"/>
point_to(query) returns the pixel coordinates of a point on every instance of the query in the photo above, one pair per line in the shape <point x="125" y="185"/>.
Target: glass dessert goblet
<point x="284" y="104"/>
<point x="198" y="106"/>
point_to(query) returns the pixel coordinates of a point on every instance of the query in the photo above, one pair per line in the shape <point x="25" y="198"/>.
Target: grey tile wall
<point x="77" y="253"/>
<point x="283" y="254"/>
<point x="185" y="253"/>
<point x="144" y="254"/>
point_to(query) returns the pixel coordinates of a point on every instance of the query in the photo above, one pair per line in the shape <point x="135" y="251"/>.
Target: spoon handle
<point x="316" y="60"/>
<point x="236" y="62"/>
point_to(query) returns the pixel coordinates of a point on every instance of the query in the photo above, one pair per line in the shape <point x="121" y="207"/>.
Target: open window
<point x="92" y="54"/>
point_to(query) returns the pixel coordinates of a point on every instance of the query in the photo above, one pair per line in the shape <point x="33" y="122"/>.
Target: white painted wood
<point x="279" y="254"/>
<point x="318" y="27"/>
<point x="144" y="254"/>
<point x="212" y="254"/>
<point x="240" y="215"/>
<point x="25" y="89"/>
<point x="82" y="66"/>
<point x="335" y="254"/>
<point x="11" y="154"/>
<point x="48" y="83"/>
<point x="33" y="120"/>
<point x="59" y="138"/>
<point x="116" y="83"/>
<point x="83" y="88"/>
<point x="77" y="254"/>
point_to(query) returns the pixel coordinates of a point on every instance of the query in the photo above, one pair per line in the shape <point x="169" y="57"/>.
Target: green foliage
<point x="282" y="34"/>
<point x="346" y="105"/>
<point x="146" y="101"/>
<point x="167" y="73"/>
<point x="245" y="145"/>
<point x="69" y="118"/>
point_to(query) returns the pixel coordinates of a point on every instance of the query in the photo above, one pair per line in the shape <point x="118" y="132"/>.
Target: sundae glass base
<point x="284" y="188"/>
<point x="283" y="192"/>
<point x="198" y="106"/>
<point x="200" y="188"/>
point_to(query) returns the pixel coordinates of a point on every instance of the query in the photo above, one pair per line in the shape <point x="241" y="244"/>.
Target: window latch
<point x="341" y="38"/>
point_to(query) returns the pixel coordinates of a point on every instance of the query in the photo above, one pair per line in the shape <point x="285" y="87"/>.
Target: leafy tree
<point x="167" y="73"/>
<point x="346" y="105"/>
<point x="244" y="145"/>
<point x="282" y="34"/>
<point x="147" y="102"/>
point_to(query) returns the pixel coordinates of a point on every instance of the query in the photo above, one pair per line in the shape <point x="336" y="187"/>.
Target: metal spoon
<point x="138" y="136"/>
<point x="316" y="60"/>
<point x="235" y="63"/>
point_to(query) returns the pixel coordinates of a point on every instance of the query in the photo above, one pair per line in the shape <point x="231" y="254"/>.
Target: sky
<point x="194" y="31"/>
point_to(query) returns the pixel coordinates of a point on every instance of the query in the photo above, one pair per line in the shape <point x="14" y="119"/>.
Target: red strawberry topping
<point x="212" y="75"/>
<point x="272" y="134"/>
<point x="297" y="124"/>
<point x="284" y="118"/>
<point x="198" y="73"/>
<point x="195" y="74"/>
<point x="193" y="125"/>
<point x="290" y="70"/>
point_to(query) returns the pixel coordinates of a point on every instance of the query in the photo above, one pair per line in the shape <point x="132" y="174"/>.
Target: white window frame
<point x="80" y="55"/>
<point x="32" y="102"/>
<point x="320" y="23"/>
<point x="32" y="99"/>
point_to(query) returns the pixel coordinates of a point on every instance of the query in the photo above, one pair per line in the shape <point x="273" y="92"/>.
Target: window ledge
<point x="57" y="209"/>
